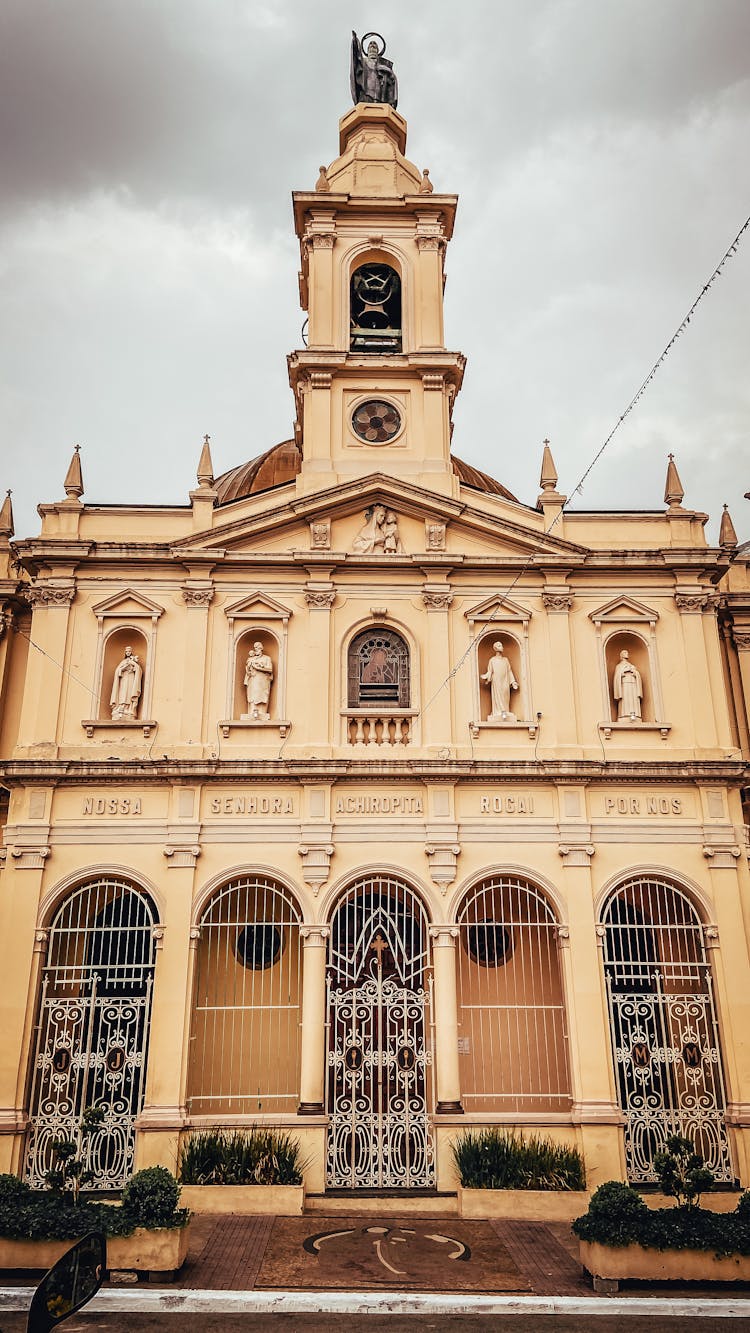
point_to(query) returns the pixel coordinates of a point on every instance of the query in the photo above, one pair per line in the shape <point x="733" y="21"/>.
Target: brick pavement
<point x="226" y="1254"/>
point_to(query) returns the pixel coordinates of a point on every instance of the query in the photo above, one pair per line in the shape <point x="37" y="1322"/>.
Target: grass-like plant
<point x="500" y="1159"/>
<point x="254" y="1156"/>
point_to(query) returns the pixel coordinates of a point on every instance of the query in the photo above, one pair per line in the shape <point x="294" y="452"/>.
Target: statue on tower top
<point x="372" y="76"/>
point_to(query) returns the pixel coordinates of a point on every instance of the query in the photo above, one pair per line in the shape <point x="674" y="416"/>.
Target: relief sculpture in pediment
<point x="380" y="534"/>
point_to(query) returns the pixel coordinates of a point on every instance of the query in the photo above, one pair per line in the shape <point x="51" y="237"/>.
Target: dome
<point x="282" y="463"/>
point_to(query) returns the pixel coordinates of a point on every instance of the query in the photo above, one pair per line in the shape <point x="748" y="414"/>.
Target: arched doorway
<point x="665" y="1036"/>
<point x="92" y="1030"/>
<point x="378" y="1089"/>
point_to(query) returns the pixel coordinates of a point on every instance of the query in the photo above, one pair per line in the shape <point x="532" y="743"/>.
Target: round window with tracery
<point x="376" y="422"/>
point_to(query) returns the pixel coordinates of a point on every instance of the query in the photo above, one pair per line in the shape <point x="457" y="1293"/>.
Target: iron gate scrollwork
<point x="378" y="1053"/>
<point x="664" y="1030"/>
<point x="92" y="1030"/>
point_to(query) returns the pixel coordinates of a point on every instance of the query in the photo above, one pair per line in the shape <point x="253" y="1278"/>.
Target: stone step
<point x="397" y="1203"/>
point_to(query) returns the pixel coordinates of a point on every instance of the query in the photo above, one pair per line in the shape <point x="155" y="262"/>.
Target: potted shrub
<point x="147" y="1233"/>
<point x="504" y="1174"/>
<point x="256" y="1170"/>
<point x="621" y="1238"/>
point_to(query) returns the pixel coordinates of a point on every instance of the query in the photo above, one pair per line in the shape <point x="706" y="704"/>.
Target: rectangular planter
<point x="160" y="1251"/>
<point x="524" y="1205"/>
<point x="278" y="1200"/>
<point x="609" y="1265"/>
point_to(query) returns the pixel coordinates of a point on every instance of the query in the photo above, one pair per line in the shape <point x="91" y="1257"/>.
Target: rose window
<point x="376" y="422"/>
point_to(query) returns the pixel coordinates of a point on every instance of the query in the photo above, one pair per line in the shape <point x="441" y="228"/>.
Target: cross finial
<point x="206" y="439"/>
<point x="379" y="945"/>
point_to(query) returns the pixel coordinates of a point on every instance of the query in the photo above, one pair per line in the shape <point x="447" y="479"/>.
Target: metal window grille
<point x="512" y="1033"/>
<point x="245" y="1039"/>
<point x="92" y="1031"/>
<point x="378" y="670"/>
<point x="379" y="1052"/>
<point x="664" y="1031"/>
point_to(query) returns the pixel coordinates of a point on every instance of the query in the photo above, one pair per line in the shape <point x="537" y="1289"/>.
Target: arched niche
<point x="245" y="648"/>
<point x="128" y="619"/>
<point x="118" y="701"/>
<point x="642" y="710"/>
<point x="626" y="625"/>
<point x="375" y="307"/>
<point x="249" y="621"/>
<point x="512" y="652"/>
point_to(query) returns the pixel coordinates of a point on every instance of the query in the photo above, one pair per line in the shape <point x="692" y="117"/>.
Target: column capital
<point x="314" y="937"/>
<point x="444" y="936"/>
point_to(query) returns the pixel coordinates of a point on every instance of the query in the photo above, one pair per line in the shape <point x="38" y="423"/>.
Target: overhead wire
<point x="578" y="488"/>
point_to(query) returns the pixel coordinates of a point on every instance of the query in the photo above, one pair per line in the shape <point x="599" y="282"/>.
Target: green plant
<point x="240" y="1157"/>
<point x="69" y="1171"/>
<point x="617" y="1216"/>
<point x="502" y="1160"/>
<point x="150" y="1198"/>
<point x="682" y="1172"/>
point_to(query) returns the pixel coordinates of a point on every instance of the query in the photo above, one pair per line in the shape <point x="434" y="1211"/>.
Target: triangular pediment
<point x="128" y="603"/>
<point x="257" y="605"/>
<point x="625" y="610"/>
<point x="492" y="527"/>
<point x="498" y="609"/>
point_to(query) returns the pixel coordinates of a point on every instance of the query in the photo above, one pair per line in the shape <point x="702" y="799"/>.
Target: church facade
<point x="358" y="797"/>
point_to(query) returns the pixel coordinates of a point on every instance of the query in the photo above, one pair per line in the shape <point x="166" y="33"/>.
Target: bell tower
<point x="375" y="385"/>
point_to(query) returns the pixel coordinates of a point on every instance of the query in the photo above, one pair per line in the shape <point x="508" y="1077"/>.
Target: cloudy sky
<point x="148" y="264"/>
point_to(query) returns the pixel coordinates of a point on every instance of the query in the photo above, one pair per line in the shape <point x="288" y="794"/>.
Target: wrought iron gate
<point x="92" y="1031"/>
<point x="378" y="1050"/>
<point x="665" y="1036"/>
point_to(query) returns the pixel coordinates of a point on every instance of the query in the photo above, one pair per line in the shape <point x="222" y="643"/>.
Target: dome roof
<point x="281" y="464"/>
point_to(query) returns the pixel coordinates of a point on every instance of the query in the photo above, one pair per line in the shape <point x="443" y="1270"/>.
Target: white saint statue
<point x="628" y="689"/>
<point x="258" y="677"/>
<point x="499" y="676"/>
<point x="126" y="687"/>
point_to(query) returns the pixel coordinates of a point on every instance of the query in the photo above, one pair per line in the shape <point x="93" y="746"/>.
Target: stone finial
<point x="727" y="534"/>
<point x="6" y="517"/>
<point x="425" y="185"/>
<point x="548" y="477"/>
<point x="205" y="473"/>
<point x="74" y="477"/>
<point x="673" y="489"/>
<point x="322" y="184"/>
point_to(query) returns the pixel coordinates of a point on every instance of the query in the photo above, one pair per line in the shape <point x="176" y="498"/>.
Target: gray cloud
<point x="148" y="270"/>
